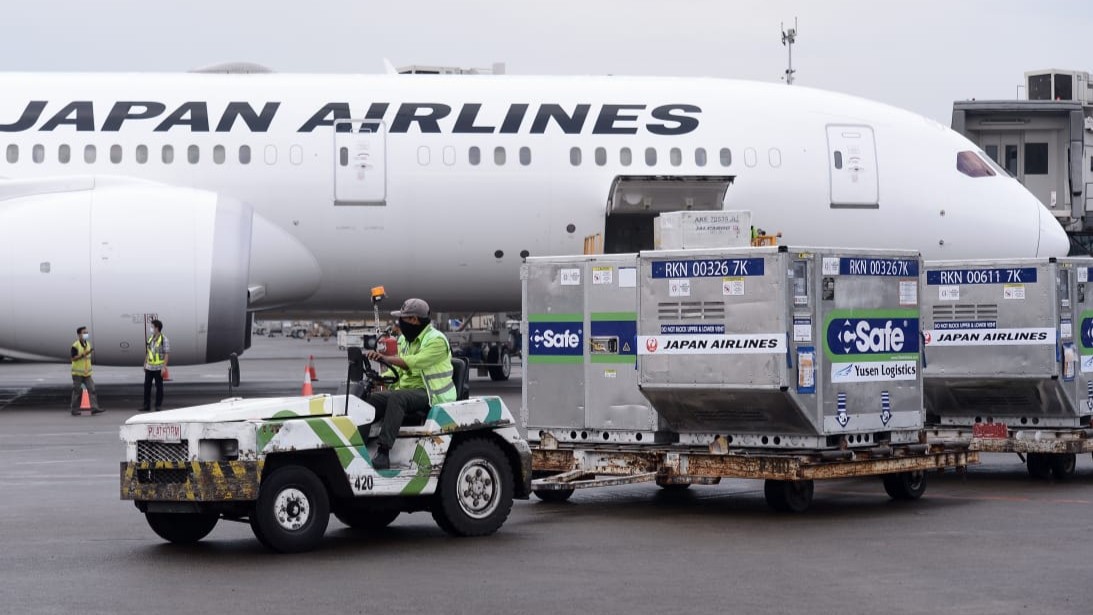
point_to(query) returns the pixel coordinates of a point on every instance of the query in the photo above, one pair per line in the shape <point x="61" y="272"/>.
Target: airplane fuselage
<point x="438" y="186"/>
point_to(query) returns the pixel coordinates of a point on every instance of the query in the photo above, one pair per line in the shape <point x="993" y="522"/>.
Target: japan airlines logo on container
<point x="651" y="345"/>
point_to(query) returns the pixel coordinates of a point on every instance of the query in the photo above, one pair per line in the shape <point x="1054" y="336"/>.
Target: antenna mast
<point x="788" y="38"/>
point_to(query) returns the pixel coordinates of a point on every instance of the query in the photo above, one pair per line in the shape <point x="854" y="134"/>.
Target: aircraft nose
<point x="1053" y="239"/>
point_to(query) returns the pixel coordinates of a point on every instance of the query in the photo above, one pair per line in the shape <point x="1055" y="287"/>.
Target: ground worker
<point x="424" y="369"/>
<point x="155" y="361"/>
<point x="81" y="373"/>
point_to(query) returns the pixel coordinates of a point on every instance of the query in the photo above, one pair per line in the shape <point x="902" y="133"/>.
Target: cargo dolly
<point x="1047" y="452"/>
<point x="789" y="475"/>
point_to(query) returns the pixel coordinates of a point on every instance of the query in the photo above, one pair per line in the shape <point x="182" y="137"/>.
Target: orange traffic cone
<point x="166" y="374"/>
<point x="307" y="391"/>
<point x="85" y="403"/>
<point x="311" y="367"/>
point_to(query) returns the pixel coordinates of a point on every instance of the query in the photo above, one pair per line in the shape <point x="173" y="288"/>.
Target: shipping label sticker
<point x="628" y="277"/>
<point x="1066" y="330"/>
<point x="806" y="369"/>
<point x="908" y="292"/>
<point x="601" y="275"/>
<point x="1083" y="274"/>
<point x="1013" y="291"/>
<point x="802" y="329"/>
<point x="570" y="277"/>
<point x="732" y="286"/>
<point x="830" y="266"/>
<point x="679" y="287"/>
<point x="948" y="293"/>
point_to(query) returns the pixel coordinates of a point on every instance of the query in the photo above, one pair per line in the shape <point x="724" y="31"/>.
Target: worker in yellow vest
<point x="81" y="373"/>
<point x="424" y="367"/>
<point x="155" y="361"/>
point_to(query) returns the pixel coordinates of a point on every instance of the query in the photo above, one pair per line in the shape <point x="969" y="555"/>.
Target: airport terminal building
<point x="1046" y="142"/>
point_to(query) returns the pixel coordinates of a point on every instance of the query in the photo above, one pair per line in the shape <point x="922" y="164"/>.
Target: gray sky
<point x="918" y="54"/>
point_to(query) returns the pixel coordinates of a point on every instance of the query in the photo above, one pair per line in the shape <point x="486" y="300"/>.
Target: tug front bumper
<point x="191" y="481"/>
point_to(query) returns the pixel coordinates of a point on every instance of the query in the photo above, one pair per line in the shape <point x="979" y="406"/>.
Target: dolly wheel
<point x="789" y="495"/>
<point x="905" y="486"/>
<point x="1064" y="466"/>
<point x="1039" y="465"/>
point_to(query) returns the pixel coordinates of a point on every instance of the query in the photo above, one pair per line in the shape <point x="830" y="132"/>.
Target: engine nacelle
<point x="113" y="254"/>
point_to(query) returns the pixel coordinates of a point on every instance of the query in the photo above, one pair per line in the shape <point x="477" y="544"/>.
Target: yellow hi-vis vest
<point x="155" y="350"/>
<point x="81" y="367"/>
<point x="437" y="378"/>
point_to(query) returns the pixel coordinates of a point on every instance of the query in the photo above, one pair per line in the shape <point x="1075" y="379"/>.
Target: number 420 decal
<point x="363" y="482"/>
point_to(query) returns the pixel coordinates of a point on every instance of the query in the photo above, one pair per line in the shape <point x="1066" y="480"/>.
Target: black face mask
<point x="410" y="330"/>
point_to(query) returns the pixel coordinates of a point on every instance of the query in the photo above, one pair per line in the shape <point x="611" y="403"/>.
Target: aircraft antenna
<point x="788" y="38"/>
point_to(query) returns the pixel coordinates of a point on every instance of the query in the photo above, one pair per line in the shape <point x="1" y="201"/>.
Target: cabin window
<point x="424" y="156"/>
<point x="650" y="156"/>
<point x="474" y="156"/>
<point x="972" y="165"/>
<point x="625" y="157"/>
<point x="244" y="154"/>
<point x="575" y="156"/>
<point x="218" y="154"/>
<point x="601" y="156"/>
<point x="115" y="154"/>
<point x="142" y="154"/>
<point x="13" y="153"/>
<point x="525" y="156"/>
<point x="675" y="156"/>
<point x="700" y="157"/>
<point x="774" y="157"/>
<point x="38" y="154"/>
<point x="168" y="154"/>
<point x="89" y="154"/>
<point x="726" y="157"/>
<point x="64" y="154"/>
<point x="499" y="156"/>
<point x="751" y="157"/>
<point x="296" y="154"/>
<point x="1036" y="159"/>
<point x="271" y="155"/>
<point x="449" y="155"/>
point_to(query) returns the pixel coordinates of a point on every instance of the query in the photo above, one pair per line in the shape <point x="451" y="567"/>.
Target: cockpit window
<point x="972" y="165"/>
<point x="994" y="165"/>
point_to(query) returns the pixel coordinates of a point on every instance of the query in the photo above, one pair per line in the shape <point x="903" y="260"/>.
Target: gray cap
<point x="413" y="307"/>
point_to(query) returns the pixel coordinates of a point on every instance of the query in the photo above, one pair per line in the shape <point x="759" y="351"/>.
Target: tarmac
<point x="992" y="542"/>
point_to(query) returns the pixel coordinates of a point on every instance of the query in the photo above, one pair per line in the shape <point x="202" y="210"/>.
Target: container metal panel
<point x="787" y="342"/>
<point x="1008" y="341"/>
<point x="591" y="390"/>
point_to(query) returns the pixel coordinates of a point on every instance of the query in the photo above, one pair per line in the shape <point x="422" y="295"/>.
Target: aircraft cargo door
<point x="852" y="156"/>
<point x="360" y="169"/>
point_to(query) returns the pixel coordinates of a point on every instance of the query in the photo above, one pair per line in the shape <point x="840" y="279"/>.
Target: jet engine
<point x="113" y="254"/>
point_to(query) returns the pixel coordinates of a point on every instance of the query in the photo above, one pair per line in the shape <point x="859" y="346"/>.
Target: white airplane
<point x="198" y="198"/>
